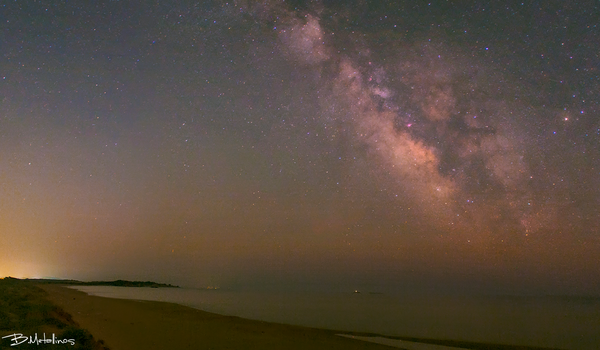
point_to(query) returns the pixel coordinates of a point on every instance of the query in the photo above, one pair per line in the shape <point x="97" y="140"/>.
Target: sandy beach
<point x="130" y="325"/>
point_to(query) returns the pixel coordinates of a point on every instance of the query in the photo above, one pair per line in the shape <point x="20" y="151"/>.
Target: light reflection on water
<point x="558" y="322"/>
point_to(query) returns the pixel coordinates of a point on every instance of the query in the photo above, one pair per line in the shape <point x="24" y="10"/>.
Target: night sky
<point x="443" y="146"/>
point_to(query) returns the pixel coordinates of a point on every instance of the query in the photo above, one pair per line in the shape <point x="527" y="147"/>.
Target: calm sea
<point x="556" y="322"/>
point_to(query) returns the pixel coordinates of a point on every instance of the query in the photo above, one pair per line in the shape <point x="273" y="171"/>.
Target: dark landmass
<point x="119" y="283"/>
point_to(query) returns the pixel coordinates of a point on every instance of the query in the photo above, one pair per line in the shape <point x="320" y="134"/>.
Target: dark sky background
<point x="377" y="145"/>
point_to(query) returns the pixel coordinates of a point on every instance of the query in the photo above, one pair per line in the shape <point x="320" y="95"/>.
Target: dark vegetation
<point x="25" y="309"/>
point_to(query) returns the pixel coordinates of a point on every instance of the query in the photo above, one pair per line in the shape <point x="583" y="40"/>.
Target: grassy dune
<point x="25" y="309"/>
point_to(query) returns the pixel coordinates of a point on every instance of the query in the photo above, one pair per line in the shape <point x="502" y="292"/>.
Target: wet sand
<point x="131" y="325"/>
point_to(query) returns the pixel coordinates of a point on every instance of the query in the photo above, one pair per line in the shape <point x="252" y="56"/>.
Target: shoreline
<point x="131" y="324"/>
<point x="125" y="324"/>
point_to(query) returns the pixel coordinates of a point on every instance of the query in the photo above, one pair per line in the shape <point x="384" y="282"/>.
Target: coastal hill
<point x="119" y="283"/>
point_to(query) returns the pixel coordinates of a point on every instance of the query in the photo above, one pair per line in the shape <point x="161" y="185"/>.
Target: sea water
<point x="553" y="322"/>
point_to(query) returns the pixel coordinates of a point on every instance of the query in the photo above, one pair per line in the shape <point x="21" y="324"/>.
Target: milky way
<point x="451" y="131"/>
